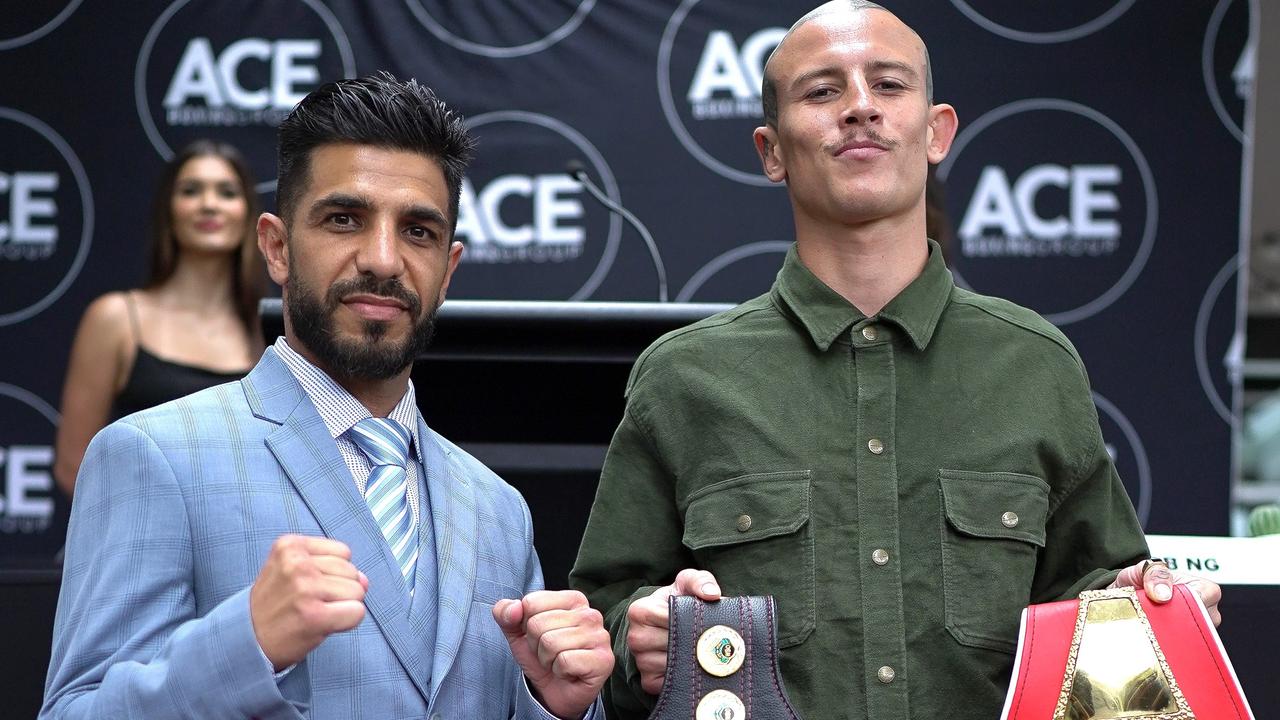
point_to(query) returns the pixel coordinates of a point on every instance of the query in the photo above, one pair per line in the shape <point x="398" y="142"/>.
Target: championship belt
<point x="1115" y="654"/>
<point x="722" y="662"/>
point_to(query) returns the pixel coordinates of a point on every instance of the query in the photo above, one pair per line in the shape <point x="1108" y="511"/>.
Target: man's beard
<point x="364" y="358"/>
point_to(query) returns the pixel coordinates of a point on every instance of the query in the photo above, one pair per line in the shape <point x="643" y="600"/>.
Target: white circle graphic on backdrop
<point x="1088" y="27"/>
<point x="35" y="402"/>
<point x="45" y="29"/>
<point x="1203" y="316"/>
<point x="597" y="161"/>
<point x="673" y="116"/>
<point x="1142" y="503"/>
<point x="1249" y="55"/>
<point x="1139" y="261"/>
<point x="497" y="51"/>
<point x="720" y="262"/>
<point x="157" y="139"/>
<point x="86" y="205"/>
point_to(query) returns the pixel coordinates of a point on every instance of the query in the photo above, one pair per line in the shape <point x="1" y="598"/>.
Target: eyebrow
<point x="340" y="201"/>
<point x="348" y="201"/>
<point x="873" y="66"/>
<point x="424" y="214"/>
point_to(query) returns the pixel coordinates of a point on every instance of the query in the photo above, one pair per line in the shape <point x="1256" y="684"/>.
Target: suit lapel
<point x="453" y="520"/>
<point x="310" y="458"/>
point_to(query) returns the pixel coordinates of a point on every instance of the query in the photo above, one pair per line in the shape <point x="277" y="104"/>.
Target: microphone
<point x="578" y="172"/>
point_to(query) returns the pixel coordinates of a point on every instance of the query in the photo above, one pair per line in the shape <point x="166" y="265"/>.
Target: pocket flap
<point x="996" y="504"/>
<point x="746" y="508"/>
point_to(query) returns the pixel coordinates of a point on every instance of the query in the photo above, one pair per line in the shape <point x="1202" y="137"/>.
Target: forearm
<point x="206" y="668"/>
<point x="129" y="639"/>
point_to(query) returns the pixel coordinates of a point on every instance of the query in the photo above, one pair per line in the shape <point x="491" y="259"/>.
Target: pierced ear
<point x="273" y="243"/>
<point x="766" y="140"/>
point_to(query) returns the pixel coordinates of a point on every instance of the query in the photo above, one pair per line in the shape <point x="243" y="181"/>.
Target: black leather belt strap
<point x="756" y="683"/>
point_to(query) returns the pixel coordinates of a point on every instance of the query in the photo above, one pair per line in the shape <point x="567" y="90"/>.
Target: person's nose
<point x="380" y="252"/>
<point x="209" y="200"/>
<point x="862" y="107"/>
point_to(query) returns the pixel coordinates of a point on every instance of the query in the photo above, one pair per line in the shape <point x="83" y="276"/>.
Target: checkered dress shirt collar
<point x="339" y="409"/>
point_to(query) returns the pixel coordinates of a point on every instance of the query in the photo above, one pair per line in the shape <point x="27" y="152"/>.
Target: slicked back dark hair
<point x="377" y="110"/>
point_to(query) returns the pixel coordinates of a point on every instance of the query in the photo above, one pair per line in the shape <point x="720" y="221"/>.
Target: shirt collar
<point x="826" y="315"/>
<point x="339" y="409"/>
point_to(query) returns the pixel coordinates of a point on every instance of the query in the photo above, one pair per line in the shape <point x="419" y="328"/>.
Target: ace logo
<point x="727" y="81"/>
<point x="550" y="233"/>
<point x="27" y="426"/>
<point x="529" y="229"/>
<point x="199" y="76"/>
<point x="710" y="66"/>
<point x="46" y="216"/>
<point x="32" y="212"/>
<point x="1011" y="210"/>
<point x="1056" y="206"/>
<point x="215" y="80"/>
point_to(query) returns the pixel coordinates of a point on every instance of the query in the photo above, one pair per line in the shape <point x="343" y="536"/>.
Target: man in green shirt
<point x="903" y="464"/>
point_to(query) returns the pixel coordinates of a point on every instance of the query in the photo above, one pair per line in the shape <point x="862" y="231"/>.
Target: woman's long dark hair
<point x="248" y="279"/>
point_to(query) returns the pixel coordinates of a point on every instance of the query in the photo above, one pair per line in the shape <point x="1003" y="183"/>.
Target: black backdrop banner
<point x="1096" y="177"/>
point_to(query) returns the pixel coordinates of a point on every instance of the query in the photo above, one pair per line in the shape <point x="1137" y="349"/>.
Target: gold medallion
<point x="721" y="650"/>
<point x="721" y="705"/>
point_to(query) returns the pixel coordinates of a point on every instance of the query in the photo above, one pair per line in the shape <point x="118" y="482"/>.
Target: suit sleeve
<point x="127" y="640"/>
<point x="632" y="545"/>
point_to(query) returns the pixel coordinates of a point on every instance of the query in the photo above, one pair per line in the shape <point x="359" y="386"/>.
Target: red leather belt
<point x="1116" y="654"/>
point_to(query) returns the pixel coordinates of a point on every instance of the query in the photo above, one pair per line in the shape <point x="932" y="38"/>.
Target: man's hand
<point x="560" y="643"/>
<point x="306" y="591"/>
<point x="1158" y="581"/>
<point x="649" y="620"/>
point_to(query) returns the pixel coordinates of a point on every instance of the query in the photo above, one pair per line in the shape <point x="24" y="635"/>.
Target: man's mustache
<point x="369" y="285"/>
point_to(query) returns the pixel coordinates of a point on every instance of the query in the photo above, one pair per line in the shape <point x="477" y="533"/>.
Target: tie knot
<point x="383" y="440"/>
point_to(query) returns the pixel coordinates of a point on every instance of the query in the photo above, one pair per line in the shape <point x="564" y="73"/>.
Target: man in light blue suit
<point x="300" y="543"/>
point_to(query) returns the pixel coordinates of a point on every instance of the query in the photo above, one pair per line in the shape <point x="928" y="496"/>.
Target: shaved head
<point x="768" y="88"/>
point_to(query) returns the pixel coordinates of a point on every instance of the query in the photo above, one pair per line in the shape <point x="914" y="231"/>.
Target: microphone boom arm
<point x="579" y="173"/>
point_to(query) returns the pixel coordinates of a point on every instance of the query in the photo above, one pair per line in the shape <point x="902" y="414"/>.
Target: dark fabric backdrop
<point x="1096" y="178"/>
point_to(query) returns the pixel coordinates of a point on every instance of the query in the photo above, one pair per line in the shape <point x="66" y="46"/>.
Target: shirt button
<point x="875" y="446"/>
<point x="1009" y="519"/>
<point x="744" y="523"/>
<point x="885" y="674"/>
<point x="880" y="556"/>
<point x="870" y="333"/>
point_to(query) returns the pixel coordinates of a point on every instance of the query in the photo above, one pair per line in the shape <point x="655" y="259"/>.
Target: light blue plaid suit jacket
<point x="175" y="512"/>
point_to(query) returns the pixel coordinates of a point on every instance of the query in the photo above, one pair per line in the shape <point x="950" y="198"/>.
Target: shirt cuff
<point x="595" y="712"/>
<point x="277" y="676"/>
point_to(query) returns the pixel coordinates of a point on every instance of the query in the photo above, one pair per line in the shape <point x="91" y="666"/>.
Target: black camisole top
<point x="154" y="380"/>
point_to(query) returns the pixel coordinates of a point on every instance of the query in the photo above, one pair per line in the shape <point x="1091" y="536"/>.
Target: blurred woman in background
<point x="195" y="322"/>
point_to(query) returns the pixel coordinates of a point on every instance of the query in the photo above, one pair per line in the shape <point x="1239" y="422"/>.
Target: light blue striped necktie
<point x="386" y="443"/>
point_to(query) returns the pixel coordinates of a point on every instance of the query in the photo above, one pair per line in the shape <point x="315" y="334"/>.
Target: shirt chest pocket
<point x="753" y="533"/>
<point x="992" y="531"/>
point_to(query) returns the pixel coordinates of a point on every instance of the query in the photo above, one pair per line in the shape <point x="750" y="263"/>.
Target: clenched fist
<point x="560" y="643"/>
<point x="306" y="591"/>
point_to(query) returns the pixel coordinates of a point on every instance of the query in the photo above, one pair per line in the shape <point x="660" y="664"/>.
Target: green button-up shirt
<point x="902" y="484"/>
